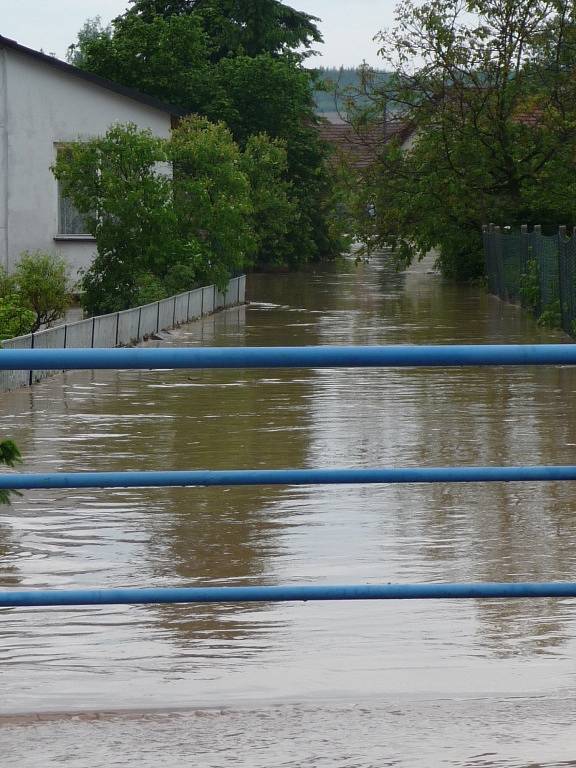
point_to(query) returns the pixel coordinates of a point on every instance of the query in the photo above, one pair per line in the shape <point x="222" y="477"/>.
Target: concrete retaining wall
<point x="123" y="328"/>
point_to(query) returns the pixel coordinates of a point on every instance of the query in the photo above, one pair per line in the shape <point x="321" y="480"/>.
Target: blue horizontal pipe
<point x="289" y="357"/>
<point x="56" y="597"/>
<point x="231" y="477"/>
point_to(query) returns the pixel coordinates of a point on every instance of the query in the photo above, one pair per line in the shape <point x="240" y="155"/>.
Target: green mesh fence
<point x="512" y="266"/>
<point x="535" y="270"/>
<point x="567" y="271"/>
<point x="547" y="256"/>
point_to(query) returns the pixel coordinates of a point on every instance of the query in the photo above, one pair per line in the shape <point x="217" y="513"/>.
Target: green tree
<point x="273" y="96"/>
<point x="166" y="214"/>
<point x="164" y="57"/>
<point x="125" y="196"/>
<point x="40" y="285"/>
<point x="15" y="320"/>
<point x="211" y="199"/>
<point x="237" y="27"/>
<point x="273" y="207"/>
<point x="35" y="294"/>
<point x="483" y="88"/>
<point x="237" y="62"/>
<point x="91" y="30"/>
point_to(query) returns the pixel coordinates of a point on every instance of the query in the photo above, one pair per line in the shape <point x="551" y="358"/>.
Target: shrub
<point x="180" y="278"/>
<point x="15" y="320"/>
<point x="147" y="289"/>
<point x="40" y="285"/>
<point x="9" y="456"/>
<point x="551" y="317"/>
<point x="530" y="285"/>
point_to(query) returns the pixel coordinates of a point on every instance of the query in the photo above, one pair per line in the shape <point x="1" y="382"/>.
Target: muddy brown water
<point x="415" y="683"/>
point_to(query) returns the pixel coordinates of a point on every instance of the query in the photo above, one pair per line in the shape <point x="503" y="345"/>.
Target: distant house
<point x="360" y="146"/>
<point x="44" y="104"/>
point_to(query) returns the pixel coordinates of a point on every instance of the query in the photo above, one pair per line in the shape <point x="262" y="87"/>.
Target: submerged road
<point x="414" y="683"/>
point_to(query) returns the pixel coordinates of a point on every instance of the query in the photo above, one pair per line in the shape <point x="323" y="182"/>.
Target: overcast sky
<point x="347" y="25"/>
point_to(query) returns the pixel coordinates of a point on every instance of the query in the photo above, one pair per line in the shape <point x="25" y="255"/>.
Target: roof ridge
<point x="111" y="85"/>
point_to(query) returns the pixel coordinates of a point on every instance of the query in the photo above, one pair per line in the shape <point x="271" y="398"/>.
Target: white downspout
<point x="3" y="160"/>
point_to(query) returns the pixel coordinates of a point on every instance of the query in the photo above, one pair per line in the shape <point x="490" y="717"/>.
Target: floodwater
<point x="414" y="683"/>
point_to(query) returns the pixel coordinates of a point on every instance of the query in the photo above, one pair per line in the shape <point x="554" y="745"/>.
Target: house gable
<point x="69" y="69"/>
<point x="44" y="103"/>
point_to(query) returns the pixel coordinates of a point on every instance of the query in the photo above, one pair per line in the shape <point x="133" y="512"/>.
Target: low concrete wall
<point x="128" y="328"/>
<point x="105" y="330"/>
<point x="166" y="313"/>
<point x="78" y="334"/>
<point x="15" y="379"/>
<point x="52" y="338"/>
<point x="123" y="328"/>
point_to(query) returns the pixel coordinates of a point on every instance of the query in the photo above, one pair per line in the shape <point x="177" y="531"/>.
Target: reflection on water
<point x="187" y="656"/>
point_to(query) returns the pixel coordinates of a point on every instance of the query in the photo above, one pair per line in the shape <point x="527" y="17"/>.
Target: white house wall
<point x="3" y="162"/>
<point x="46" y="106"/>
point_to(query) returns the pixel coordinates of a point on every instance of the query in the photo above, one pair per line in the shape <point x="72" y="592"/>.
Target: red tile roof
<point x="361" y="145"/>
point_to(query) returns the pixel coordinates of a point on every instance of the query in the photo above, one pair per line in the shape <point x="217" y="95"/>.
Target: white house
<point x="45" y="103"/>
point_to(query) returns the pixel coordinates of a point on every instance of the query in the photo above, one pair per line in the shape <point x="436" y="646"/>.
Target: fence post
<point x="497" y="245"/>
<point x="524" y="253"/>
<point x="537" y="256"/>
<point x="563" y="283"/>
<point x="486" y="241"/>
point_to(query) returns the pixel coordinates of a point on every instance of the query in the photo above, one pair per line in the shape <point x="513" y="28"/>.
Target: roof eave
<point x="122" y="90"/>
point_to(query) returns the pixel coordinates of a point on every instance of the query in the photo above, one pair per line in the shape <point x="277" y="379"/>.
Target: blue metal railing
<point x="290" y="357"/>
<point x="232" y="477"/>
<point x="302" y="593"/>
<point x="287" y="357"/>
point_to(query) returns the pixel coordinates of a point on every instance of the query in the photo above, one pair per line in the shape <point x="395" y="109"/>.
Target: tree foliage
<point x="115" y="181"/>
<point x="269" y="95"/>
<point x="240" y="27"/>
<point x="90" y="31"/>
<point x="9" y="457"/>
<point x="274" y="209"/>
<point x="164" y="57"/>
<point x="235" y="62"/>
<point x="40" y="284"/>
<point x="166" y="214"/>
<point x="37" y="293"/>
<point x="15" y="320"/>
<point x="489" y="98"/>
<point x="211" y="198"/>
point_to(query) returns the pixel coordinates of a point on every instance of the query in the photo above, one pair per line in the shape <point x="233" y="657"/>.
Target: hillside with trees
<point x="337" y="88"/>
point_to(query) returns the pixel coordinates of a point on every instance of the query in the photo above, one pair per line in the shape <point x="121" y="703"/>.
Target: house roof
<point x="129" y="93"/>
<point x="361" y="146"/>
